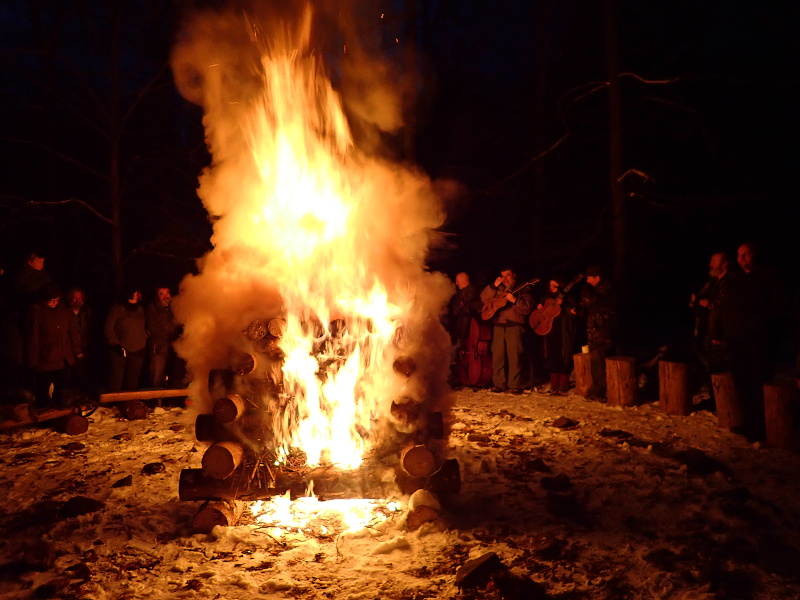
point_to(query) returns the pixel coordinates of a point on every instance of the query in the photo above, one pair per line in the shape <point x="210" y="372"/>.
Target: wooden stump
<point x="729" y="410"/>
<point x="221" y="459"/>
<point x="224" y="513"/>
<point x="584" y="382"/>
<point x="208" y="429"/>
<point x="621" y="380"/>
<point x="673" y="388"/>
<point x="780" y="406"/>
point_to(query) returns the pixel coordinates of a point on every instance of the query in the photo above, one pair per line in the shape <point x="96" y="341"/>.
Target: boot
<point x="563" y="382"/>
<point x="554" y="382"/>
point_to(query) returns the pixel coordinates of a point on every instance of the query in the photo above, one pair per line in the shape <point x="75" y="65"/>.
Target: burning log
<point x="222" y="459"/>
<point x="406" y="411"/>
<point x="256" y="330"/>
<point x="729" y="411"/>
<point x="673" y="388"/>
<point x="276" y="327"/>
<point x="208" y="429"/>
<point x="419" y="461"/>
<point x="224" y="513"/>
<point x="263" y="483"/>
<point x="404" y="365"/>
<point x="243" y="363"/>
<point x="229" y="408"/>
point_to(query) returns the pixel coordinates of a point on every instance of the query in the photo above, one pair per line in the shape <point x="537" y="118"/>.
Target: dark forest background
<point x="100" y="155"/>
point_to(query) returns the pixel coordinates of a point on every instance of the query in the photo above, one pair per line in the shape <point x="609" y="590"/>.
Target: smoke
<point x="306" y="225"/>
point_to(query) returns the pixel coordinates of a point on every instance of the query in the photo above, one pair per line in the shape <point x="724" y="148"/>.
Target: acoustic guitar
<point x="541" y="319"/>
<point x="491" y="306"/>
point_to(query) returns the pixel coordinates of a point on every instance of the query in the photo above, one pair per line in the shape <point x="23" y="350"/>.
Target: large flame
<point x="308" y="228"/>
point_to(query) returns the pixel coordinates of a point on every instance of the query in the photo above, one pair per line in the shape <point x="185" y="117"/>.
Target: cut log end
<point x="419" y="461"/>
<point x="225" y="513"/>
<point x="221" y="459"/>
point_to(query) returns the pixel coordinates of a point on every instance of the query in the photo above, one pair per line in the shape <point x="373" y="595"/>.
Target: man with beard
<point x="508" y="326"/>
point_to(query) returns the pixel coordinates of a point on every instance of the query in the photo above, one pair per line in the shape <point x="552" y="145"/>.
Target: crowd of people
<point x="54" y="345"/>
<point x="742" y="322"/>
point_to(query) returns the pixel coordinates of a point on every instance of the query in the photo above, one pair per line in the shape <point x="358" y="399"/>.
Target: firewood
<point x="142" y="395"/>
<point x="780" y="409"/>
<point x="729" y="409"/>
<point x="134" y="410"/>
<point x="73" y="424"/>
<point x="404" y="365"/>
<point x="420" y="515"/>
<point x="419" y="461"/>
<point x="208" y="429"/>
<point x="622" y="381"/>
<point x="221" y="459"/>
<point x="673" y="388"/>
<point x="225" y="513"/>
<point x="229" y="408"/>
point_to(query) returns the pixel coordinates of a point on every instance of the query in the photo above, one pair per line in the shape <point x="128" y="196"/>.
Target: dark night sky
<point x="501" y="83"/>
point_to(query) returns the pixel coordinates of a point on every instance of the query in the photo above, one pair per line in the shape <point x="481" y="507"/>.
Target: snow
<point x="624" y="503"/>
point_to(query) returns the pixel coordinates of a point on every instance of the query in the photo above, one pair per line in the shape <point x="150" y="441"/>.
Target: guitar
<point x="541" y="319"/>
<point x="491" y="307"/>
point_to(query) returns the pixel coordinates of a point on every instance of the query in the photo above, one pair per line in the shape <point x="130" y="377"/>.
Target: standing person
<point x="162" y="331"/>
<point x="559" y="342"/>
<point x="706" y="307"/>
<point x="508" y="326"/>
<point x="52" y="346"/>
<point x="126" y="336"/>
<point x="30" y="280"/>
<point x="78" y="376"/>
<point x="463" y="309"/>
<point x="750" y="301"/>
<point x="598" y="308"/>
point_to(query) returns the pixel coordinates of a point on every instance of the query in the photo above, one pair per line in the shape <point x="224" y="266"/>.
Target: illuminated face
<point x="593" y="280"/>
<point x="553" y="286"/>
<point x="462" y="280"/>
<point x="53" y="302"/>
<point x="509" y="279"/>
<point x="76" y="300"/>
<point x="715" y="266"/>
<point x="36" y="263"/>
<point x="745" y="258"/>
<point x="163" y="296"/>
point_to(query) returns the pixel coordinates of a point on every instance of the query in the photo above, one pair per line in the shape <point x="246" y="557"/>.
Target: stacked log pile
<point x="244" y="460"/>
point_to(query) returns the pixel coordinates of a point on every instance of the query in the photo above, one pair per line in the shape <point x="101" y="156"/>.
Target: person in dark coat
<point x="53" y="346"/>
<point x="559" y="343"/>
<point x="126" y="335"/>
<point x="162" y="331"/>
<point x="75" y="299"/>
<point x="598" y="308"/>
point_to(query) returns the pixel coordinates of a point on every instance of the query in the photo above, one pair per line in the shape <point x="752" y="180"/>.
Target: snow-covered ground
<point x="607" y="503"/>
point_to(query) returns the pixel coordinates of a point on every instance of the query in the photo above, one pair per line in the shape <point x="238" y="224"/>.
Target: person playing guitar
<point x="510" y="306"/>
<point x="559" y="327"/>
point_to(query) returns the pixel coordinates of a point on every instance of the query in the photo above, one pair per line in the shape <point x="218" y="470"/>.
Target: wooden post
<point x="584" y="382"/>
<point x="729" y="410"/>
<point x="225" y="513"/>
<point x="134" y="410"/>
<point x="621" y="379"/>
<point x="780" y="406"/>
<point x="673" y="388"/>
<point x="221" y="459"/>
<point x="73" y="424"/>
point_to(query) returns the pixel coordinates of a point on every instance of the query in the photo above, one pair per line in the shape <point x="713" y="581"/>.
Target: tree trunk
<point x="621" y="381"/>
<point x="673" y="388"/>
